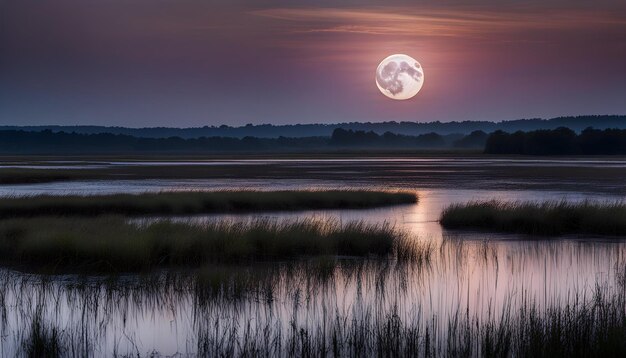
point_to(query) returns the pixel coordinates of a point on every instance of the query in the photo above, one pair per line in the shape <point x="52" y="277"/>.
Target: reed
<point x="581" y="326"/>
<point x="198" y="202"/>
<point x="114" y="244"/>
<point x="538" y="218"/>
<point x="42" y="341"/>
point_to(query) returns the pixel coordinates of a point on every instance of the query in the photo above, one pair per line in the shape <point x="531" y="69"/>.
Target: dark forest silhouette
<point x="560" y="141"/>
<point x="49" y="142"/>
<point x="325" y="130"/>
<point x="349" y="138"/>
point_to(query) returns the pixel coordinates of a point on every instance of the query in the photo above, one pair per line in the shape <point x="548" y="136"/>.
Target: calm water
<point x="481" y="274"/>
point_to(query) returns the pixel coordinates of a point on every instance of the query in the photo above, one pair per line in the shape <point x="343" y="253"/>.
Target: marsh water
<point x="471" y="274"/>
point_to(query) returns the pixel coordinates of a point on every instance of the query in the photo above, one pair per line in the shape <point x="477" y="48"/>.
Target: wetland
<point x="460" y="292"/>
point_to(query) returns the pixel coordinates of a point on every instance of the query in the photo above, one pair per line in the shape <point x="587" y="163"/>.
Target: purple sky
<point x="201" y="62"/>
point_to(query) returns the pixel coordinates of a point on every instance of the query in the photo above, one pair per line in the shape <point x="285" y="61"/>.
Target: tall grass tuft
<point x="538" y="218"/>
<point x="296" y="310"/>
<point x="114" y="244"/>
<point x="197" y="202"/>
<point x="42" y="341"/>
<point x="579" y="327"/>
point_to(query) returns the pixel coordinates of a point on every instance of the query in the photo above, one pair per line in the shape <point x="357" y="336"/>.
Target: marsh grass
<point x="116" y="245"/>
<point x="42" y="340"/>
<point x="580" y="326"/>
<point x="240" y="311"/>
<point x="538" y="218"/>
<point x="197" y="202"/>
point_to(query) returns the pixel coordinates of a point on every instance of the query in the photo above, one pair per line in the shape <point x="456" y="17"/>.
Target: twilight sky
<point x="204" y="62"/>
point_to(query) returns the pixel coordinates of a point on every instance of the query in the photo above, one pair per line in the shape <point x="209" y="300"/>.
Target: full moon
<point x="399" y="77"/>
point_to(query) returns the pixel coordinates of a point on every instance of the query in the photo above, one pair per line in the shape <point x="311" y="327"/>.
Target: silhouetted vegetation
<point x="575" y="328"/>
<point x="61" y="142"/>
<point x="541" y="142"/>
<point x="48" y="142"/>
<point x="324" y="130"/>
<point x="580" y="325"/>
<point x="560" y="141"/>
<point x="343" y="138"/>
<point x="547" y="218"/>
<point x="197" y="202"/>
<point x="43" y="341"/>
<point x="476" y="139"/>
<point x="112" y="244"/>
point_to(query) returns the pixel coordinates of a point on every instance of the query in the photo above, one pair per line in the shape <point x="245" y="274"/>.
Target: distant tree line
<point x="49" y="142"/>
<point x="560" y="141"/>
<point x="476" y="139"/>
<point x="325" y="130"/>
<point x="345" y="138"/>
<point x="350" y="138"/>
<point x="61" y="142"/>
